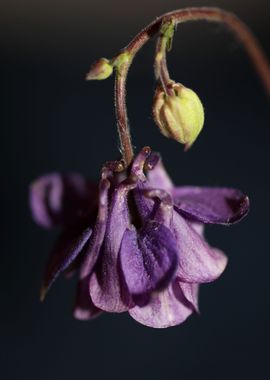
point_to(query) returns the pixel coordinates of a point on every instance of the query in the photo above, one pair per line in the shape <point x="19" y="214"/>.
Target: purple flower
<point x="136" y="240"/>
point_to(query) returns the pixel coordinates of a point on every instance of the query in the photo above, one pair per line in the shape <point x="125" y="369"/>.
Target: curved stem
<point x="121" y="114"/>
<point x="165" y="77"/>
<point x="160" y="66"/>
<point x="180" y="16"/>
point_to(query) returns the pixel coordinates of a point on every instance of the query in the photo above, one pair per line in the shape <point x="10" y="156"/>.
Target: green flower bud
<point x="180" y="115"/>
<point x="100" y="70"/>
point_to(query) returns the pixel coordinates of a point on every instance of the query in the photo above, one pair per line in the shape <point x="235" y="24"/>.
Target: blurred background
<point x="52" y="120"/>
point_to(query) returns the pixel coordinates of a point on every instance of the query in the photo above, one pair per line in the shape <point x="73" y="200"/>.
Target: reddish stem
<point x="250" y="43"/>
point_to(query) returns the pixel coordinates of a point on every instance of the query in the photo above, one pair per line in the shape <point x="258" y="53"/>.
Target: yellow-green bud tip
<point x="100" y="70"/>
<point x="180" y="115"/>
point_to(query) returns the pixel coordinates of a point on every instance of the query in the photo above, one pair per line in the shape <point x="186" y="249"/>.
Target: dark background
<point x="52" y="120"/>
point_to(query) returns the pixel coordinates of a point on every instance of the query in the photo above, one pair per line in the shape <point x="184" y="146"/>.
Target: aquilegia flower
<point x="138" y="242"/>
<point x="135" y="240"/>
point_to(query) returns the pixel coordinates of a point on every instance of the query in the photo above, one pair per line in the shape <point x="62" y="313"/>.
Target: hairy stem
<point x="121" y="115"/>
<point x="180" y="16"/>
<point x="160" y="66"/>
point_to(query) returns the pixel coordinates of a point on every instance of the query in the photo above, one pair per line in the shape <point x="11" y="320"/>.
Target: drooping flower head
<point x="135" y="241"/>
<point x="144" y="251"/>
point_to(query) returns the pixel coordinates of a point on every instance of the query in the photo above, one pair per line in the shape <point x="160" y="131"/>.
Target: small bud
<point x="179" y="116"/>
<point x="100" y="70"/>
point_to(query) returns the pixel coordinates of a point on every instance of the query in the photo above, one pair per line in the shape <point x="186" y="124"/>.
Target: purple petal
<point x="66" y="250"/>
<point x="211" y="205"/>
<point x="191" y="293"/>
<point x="107" y="287"/>
<point x="152" y="160"/>
<point x="198" y="227"/>
<point x="97" y="238"/>
<point x="163" y="209"/>
<point x="84" y="308"/>
<point x="74" y="240"/>
<point x="198" y="262"/>
<point x="139" y="162"/>
<point x="56" y="199"/>
<point x="165" y="309"/>
<point x="144" y="205"/>
<point x="159" y="178"/>
<point x="148" y="258"/>
<point x="158" y="181"/>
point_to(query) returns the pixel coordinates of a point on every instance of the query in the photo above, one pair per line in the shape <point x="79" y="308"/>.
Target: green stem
<point x="164" y="44"/>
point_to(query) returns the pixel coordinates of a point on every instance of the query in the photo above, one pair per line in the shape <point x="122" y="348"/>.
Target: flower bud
<point x="179" y="115"/>
<point x="101" y="69"/>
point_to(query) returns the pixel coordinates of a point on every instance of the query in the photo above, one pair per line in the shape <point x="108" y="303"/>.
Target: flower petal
<point x="198" y="227"/>
<point x="211" y="205"/>
<point x="157" y="182"/>
<point x="56" y="199"/>
<point x="159" y="178"/>
<point x="191" y="293"/>
<point x="139" y="162"/>
<point x="144" y="205"/>
<point x="165" y="309"/>
<point x="107" y="288"/>
<point x="84" y="308"/>
<point x="198" y="262"/>
<point x="148" y="257"/>
<point x="66" y="250"/>
<point x="97" y="238"/>
<point x="162" y="211"/>
<point x="74" y="240"/>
